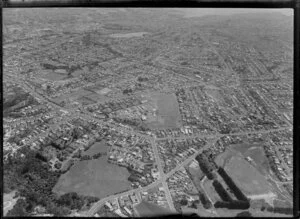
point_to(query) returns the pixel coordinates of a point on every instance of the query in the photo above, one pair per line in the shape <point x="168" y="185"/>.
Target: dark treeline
<point x="236" y="191"/>
<point x="235" y="204"/>
<point x="281" y="210"/>
<point x="206" y="166"/>
<point x="221" y="191"/>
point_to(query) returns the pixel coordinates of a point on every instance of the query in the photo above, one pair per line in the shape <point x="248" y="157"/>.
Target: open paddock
<point x="96" y="178"/>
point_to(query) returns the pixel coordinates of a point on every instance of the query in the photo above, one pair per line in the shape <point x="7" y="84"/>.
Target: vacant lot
<point x="246" y="177"/>
<point x="53" y="76"/>
<point x="94" y="178"/>
<point x="98" y="147"/>
<point x="196" y="175"/>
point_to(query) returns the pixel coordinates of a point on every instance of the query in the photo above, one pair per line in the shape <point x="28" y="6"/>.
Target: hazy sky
<point x="198" y="12"/>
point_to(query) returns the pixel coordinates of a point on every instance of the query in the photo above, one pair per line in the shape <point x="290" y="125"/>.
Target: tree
<point x="206" y="166"/>
<point x="18" y="209"/>
<point x="58" y="210"/>
<point x="96" y="156"/>
<point x="91" y="200"/>
<point x="71" y="200"/>
<point x="233" y="204"/>
<point x="127" y="91"/>
<point x="244" y="214"/>
<point x="205" y="201"/>
<point x="184" y="202"/>
<point x="195" y="203"/>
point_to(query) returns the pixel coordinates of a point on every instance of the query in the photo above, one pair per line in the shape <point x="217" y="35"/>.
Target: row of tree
<point x="221" y="191"/>
<point x="206" y="166"/>
<point x="236" y="191"/>
<point x="281" y="210"/>
<point x="235" y="204"/>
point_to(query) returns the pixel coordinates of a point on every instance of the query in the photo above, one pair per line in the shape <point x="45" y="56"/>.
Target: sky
<point x="198" y="12"/>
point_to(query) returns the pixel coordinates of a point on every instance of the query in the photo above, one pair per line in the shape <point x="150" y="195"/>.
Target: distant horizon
<point x="200" y="12"/>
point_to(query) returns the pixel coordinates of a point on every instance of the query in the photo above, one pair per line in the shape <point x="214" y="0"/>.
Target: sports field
<point x="260" y="160"/>
<point x="168" y="115"/>
<point x="246" y="177"/>
<point x="94" y="178"/>
<point x="222" y="158"/>
<point x="255" y="152"/>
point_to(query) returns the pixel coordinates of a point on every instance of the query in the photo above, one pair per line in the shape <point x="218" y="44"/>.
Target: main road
<point x="229" y="134"/>
<point x="161" y="173"/>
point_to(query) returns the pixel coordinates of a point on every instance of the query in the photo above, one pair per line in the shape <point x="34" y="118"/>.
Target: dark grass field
<point x="146" y="209"/>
